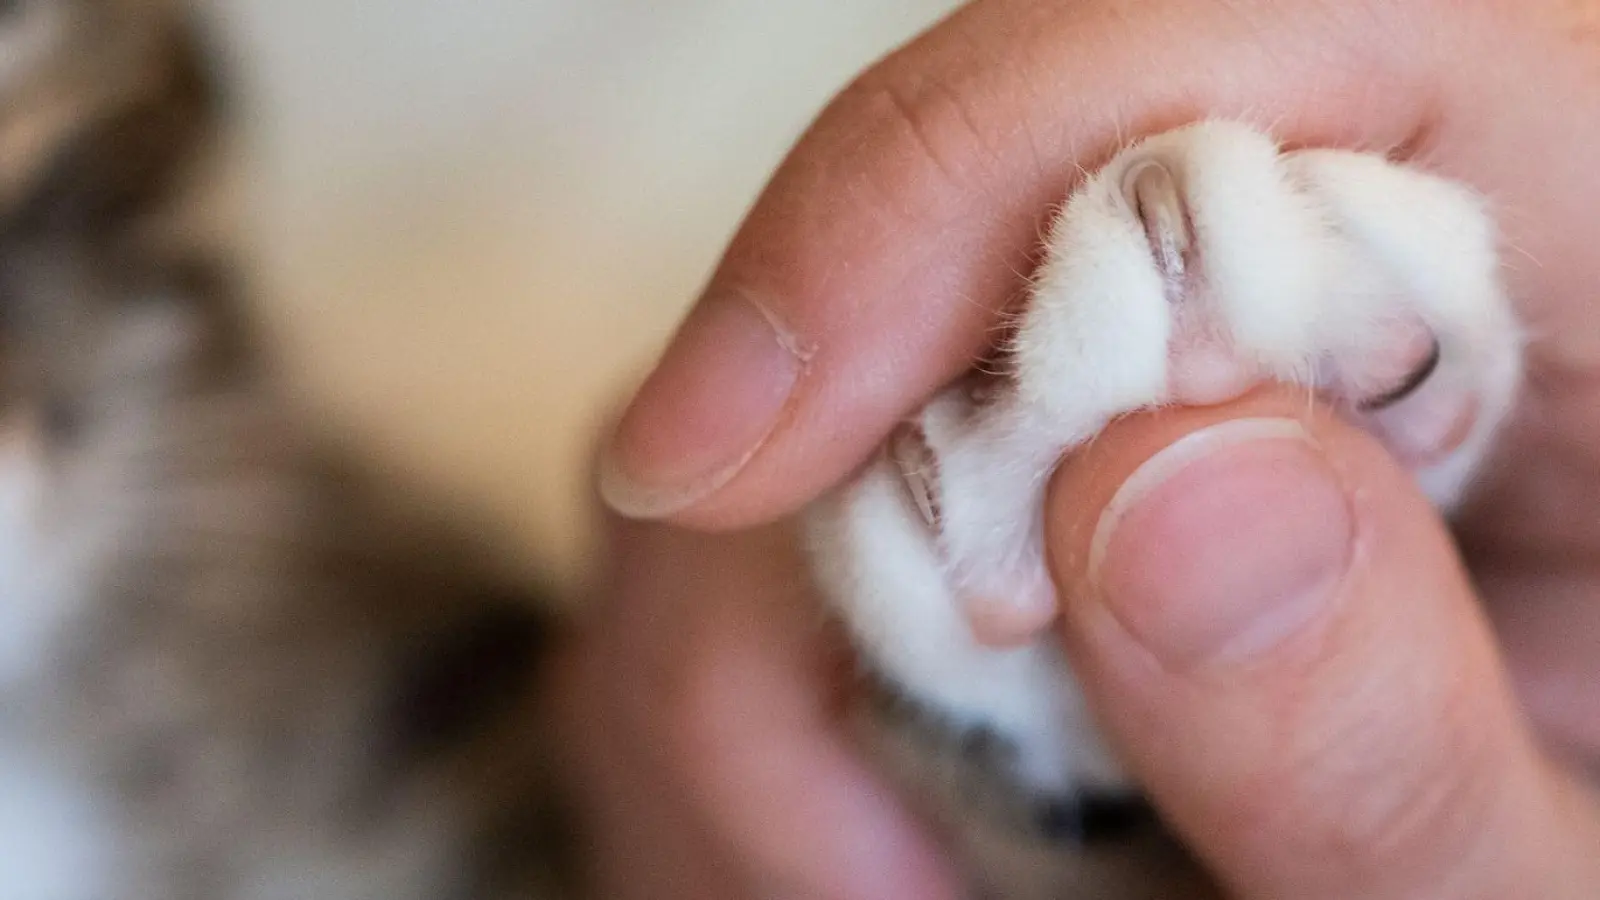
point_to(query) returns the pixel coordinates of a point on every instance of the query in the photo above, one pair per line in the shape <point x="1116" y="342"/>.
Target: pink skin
<point x="1204" y="372"/>
<point x="1433" y="424"/>
<point x="1013" y="620"/>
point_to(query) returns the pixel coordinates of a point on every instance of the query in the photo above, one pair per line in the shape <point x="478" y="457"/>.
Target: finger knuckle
<point x="930" y="129"/>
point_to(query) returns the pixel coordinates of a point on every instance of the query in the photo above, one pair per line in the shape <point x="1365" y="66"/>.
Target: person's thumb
<point x="1273" y="626"/>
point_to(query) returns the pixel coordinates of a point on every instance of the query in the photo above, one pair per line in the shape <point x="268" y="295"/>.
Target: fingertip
<point x="1312" y="734"/>
<point x="1225" y="545"/>
<point x="704" y="411"/>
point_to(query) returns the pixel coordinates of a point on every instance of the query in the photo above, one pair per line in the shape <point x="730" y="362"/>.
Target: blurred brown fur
<point x="286" y="686"/>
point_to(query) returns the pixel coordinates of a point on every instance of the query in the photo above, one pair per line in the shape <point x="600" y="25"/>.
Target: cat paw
<point x="1192" y="267"/>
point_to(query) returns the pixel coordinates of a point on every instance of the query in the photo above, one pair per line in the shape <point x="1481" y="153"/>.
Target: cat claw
<point x="1151" y="190"/>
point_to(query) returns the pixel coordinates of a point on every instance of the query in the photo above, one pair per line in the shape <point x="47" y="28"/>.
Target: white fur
<point x="1322" y="268"/>
<point x="57" y="838"/>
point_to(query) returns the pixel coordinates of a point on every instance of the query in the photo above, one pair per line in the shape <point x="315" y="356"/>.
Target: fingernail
<point x="705" y="410"/>
<point x="1224" y="544"/>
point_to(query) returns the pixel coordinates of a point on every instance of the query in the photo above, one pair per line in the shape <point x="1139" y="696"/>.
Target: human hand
<point x="1280" y="639"/>
<point x="1276" y="631"/>
<point x="882" y="252"/>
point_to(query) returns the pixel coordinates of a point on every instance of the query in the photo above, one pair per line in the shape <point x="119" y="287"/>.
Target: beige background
<point x="476" y="220"/>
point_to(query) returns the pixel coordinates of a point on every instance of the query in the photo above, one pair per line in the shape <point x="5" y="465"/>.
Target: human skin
<point x="872" y="270"/>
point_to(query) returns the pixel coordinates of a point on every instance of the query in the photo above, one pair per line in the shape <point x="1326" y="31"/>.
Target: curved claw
<point x="908" y="449"/>
<point x="1152" y="192"/>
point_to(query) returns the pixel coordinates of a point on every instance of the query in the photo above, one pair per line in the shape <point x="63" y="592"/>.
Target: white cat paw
<point x="1195" y="265"/>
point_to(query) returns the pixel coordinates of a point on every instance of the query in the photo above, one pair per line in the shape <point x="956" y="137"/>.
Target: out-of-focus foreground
<point x="475" y="221"/>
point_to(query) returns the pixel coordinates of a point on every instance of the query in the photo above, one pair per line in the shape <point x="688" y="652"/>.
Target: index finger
<point x="872" y="268"/>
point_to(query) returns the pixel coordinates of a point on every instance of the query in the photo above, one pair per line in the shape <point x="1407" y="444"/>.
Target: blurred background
<point x="474" y="222"/>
